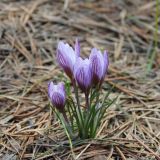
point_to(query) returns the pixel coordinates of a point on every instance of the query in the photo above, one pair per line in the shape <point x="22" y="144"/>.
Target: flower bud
<point x="57" y="95"/>
<point x="67" y="57"/>
<point x="82" y="74"/>
<point x="99" y="65"/>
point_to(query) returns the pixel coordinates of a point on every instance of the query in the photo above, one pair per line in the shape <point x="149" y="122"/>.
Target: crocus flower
<point x="82" y="74"/>
<point x="67" y="57"/>
<point x="99" y="65"/>
<point x="57" y="95"/>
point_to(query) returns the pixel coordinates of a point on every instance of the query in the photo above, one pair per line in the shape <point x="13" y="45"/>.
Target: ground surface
<point x="29" y="32"/>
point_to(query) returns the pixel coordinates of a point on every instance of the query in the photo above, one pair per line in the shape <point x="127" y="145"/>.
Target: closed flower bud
<point x="99" y="65"/>
<point x="57" y="95"/>
<point x="67" y="57"/>
<point x="82" y="74"/>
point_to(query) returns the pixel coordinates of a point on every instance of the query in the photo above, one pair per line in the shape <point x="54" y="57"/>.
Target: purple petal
<point x="78" y="64"/>
<point x="51" y="88"/>
<point x="58" y="100"/>
<point x="61" y="89"/>
<point x="80" y="77"/>
<point x="97" y="65"/>
<point x="62" y="59"/>
<point x="87" y="70"/>
<point x="106" y="62"/>
<point x="66" y="57"/>
<point x="57" y="95"/>
<point x="82" y="74"/>
<point x="77" y="47"/>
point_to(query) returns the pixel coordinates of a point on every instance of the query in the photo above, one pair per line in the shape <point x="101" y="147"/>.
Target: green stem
<point x="67" y="124"/>
<point x="67" y="130"/>
<point x="77" y="99"/>
<point x="153" y="55"/>
<point x="98" y="89"/>
<point x="87" y="100"/>
<point x="76" y="92"/>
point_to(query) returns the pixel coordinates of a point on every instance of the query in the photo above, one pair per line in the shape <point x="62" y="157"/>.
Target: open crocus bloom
<point x="67" y="57"/>
<point x="99" y="65"/>
<point x="57" y="95"/>
<point x="82" y="74"/>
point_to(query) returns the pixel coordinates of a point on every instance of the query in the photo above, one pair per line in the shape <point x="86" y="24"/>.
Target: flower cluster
<point x="85" y="73"/>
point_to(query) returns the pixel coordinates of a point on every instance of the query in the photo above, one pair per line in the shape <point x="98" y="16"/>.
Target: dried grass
<point x="29" y="32"/>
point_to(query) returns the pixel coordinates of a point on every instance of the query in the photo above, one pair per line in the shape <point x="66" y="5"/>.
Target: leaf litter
<point x="30" y="31"/>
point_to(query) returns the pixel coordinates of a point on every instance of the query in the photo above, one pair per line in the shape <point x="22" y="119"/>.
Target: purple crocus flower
<point x="57" y="95"/>
<point x="99" y="65"/>
<point x="67" y="57"/>
<point x="82" y="74"/>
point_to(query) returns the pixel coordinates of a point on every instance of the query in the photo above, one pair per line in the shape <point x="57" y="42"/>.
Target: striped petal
<point x="57" y="95"/>
<point x="97" y="65"/>
<point x="77" y="47"/>
<point x="82" y="74"/>
<point x="66" y="57"/>
<point x="106" y="62"/>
